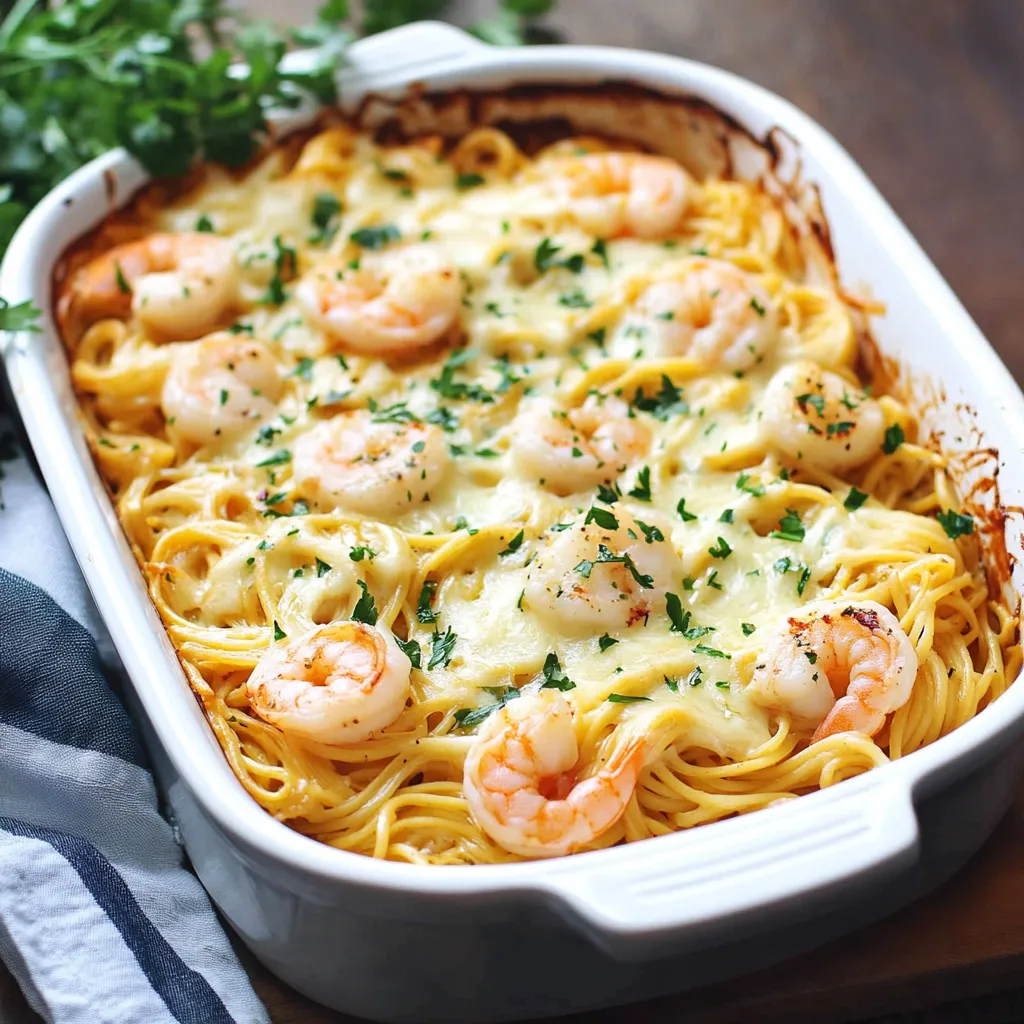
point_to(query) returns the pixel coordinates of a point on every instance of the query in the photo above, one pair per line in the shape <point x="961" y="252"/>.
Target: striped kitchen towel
<point x="100" y="922"/>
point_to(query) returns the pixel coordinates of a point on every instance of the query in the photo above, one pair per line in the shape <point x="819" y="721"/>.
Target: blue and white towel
<point x="100" y="922"/>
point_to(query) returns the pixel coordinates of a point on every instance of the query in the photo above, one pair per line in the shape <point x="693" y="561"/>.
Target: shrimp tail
<point x="848" y="714"/>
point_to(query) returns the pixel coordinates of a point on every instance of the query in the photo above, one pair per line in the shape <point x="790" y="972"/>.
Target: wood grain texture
<point x="928" y="96"/>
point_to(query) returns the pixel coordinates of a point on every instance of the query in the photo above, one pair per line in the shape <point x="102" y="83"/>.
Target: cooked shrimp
<point x="579" y="449"/>
<point x="379" y="469"/>
<point x="710" y="310"/>
<point x="601" y="577"/>
<point x="616" y="194"/>
<point x="395" y="303"/>
<point x="520" y="779"/>
<point x="816" y="415"/>
<point x="335" y="684"/>
<point x="177" y="286"/>
<point x="838" y="667"/>
<point x="220" y="386"/>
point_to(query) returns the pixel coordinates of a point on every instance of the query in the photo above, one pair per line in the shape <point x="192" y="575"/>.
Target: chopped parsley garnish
<point x="711" y="652"/>
<point x="397" y="412"/>
<point x="467" y="181"/>
<point x="817" y="402"/>
<point x="603" y="518"/>
<point x="322" y="568"/>
<point x="609" y="495"/>
<point x="605" y="555"/>
<point x="666" y="402"/>
<point x="462" y="524"/>
<point x="441" y="647"/>
<point x="365" y="609"/>
<point x="446" y="385"/>
<point x="624" y="698"/>
<point x="674" y="607"/>
<point x="605" y="642"/>
<point x="376" y="238"/>
<point x="281" y="458"/>
<point x="357" y="554"/>
<point x="600" y="250"/>
<point x="546" y="256"/>
<point x="642" y="490"/>
<point x="279" y="633"/>
<point x="574" y="300"/>
<point x="651" y="533"/>
<point x="680" y="620"/>
<point x="723" y="684"/>
<point x="757" y="307"/>
<point x="726" y="516"/>
<point x="748" y="485"/>
<point x="326" y="208"/>
<point x="747" y="627"/>
<point x="122" y="284"/>
<point x="411" y="649"/>
<point x="304" y="368"/>
<point x="265" y="435"/>
<point x="424" y="612"/>
<point x="554" y="677"/>
<point x="687" y="517"/>
<point x="513" y="545"/>
<point x="468" y="718"/>
<point x="894" y="437"/>
<point x="805" y="575"/>
<point x="285" y="266"/>
<point x="956" y="524"/>
<point x="694" y="678"/>
<point x="223" y="396"/>
<point x="597" y="336"/>
<point x="854" y="499"/>
<point x="840" y="429"/>
<point x="721" y="550"/>
<point x="790" y="528"/>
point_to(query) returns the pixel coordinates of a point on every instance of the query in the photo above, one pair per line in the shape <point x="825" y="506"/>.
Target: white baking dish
<point x="401" y="942"/>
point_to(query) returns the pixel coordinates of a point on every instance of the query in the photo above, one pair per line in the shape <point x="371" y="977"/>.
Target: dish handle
<point x="704" y="886"/>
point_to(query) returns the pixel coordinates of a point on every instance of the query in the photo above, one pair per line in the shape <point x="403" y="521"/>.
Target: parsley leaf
<point x="605" y="519"/>
<point x="604" y="555"/>
<point x="624" y="698"/>
<point x="376" y="238"/>
<point x="605" y="642"/>
<point x="365" y="609"/>
<point x="687" y="517"/>
<point x="956" y="524"/>
<point x="411" y="649"/>
<point x="894" y="437"/>
<point x="854" y="500"/>
<point x="441" y="647"/>
<point x="746" y="483"/>
<point x="326" y="210"/>
<point x="424" y="612"/>
<point x="790" y="528"/>
<point x="513" y="545"/>
<point x="21" y="317"/>
<point x="667" y="401"/>
<point x="554" y="677"/>
<point x="642" y="490"/>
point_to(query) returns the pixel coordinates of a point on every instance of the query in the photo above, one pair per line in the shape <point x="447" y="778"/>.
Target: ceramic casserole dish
<point x="398" y="942"/>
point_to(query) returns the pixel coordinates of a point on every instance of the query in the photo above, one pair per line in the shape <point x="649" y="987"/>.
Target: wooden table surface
<point x="928" y="96"/>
